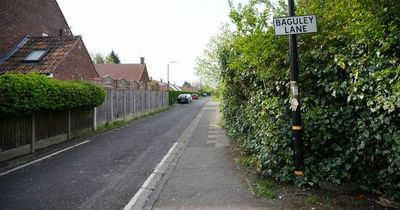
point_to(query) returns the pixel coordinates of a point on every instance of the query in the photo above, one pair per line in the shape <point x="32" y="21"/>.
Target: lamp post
<point x="171" y="62"/>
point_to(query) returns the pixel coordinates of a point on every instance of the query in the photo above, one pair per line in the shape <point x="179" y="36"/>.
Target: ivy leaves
<point x="349" y="86"/>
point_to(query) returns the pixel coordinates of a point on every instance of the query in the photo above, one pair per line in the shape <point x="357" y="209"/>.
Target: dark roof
<point x="58" y="47"/>
<point x="128" y="72"/>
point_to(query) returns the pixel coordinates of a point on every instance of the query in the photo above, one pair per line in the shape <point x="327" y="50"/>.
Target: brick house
<point x="136" y="72"/>
<point x="35" y="37"/>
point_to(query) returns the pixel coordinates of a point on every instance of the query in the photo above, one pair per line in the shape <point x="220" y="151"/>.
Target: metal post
<point x="297" y="127"/>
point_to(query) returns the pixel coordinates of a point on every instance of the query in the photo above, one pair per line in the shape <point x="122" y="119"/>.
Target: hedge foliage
<point x="28" y="93"/>
<point x="349" y="86"/>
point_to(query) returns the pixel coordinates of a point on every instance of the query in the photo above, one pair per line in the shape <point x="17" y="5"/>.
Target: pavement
<point x="204" y="176"/>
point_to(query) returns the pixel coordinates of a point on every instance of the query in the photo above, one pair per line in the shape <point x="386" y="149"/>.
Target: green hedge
<point x="26" y="93"/>
<point x="349" y="85"/>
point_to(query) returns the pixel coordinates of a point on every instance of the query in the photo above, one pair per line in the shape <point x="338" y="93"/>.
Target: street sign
<point x="295" y="25"/>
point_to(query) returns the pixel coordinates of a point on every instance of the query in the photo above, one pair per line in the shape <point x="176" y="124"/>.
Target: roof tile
<point x="128" y="72"/>
<point x="58" y="48"/>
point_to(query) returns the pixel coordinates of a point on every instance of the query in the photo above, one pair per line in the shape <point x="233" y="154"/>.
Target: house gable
<point x="145" y="75"/>
<point x="76" y="65"/>
<point x="19" y="18"/>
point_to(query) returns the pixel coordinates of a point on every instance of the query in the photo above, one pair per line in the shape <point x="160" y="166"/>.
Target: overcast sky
<point x="159" y="30"/>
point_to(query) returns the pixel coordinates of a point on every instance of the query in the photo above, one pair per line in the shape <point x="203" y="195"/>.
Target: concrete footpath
<point x="204" y="177"/>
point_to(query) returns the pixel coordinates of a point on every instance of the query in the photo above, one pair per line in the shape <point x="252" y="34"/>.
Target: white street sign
<point x="295" y="25"/>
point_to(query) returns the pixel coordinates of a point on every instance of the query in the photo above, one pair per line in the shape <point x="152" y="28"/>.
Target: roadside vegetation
<point x="116" y="124"/>
<point x="349" y="88"/>
<point x="22" y="94"/>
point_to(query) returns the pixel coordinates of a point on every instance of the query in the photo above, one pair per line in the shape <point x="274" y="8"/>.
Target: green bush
<point x="27" y="93"/>
<point x="349" y="87"/>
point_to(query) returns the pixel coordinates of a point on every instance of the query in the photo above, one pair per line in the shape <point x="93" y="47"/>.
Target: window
<point x="35" y="55"/>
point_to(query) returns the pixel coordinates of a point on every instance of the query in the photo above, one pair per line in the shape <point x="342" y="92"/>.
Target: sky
<point x="159" y="30"/>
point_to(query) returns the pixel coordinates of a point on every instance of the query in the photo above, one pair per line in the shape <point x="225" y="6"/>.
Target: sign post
<point x="291" y="26"/>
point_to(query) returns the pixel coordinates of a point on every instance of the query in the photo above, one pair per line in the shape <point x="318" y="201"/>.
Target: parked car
<point x="195" y="96"/>
<point x="184" y="98"/>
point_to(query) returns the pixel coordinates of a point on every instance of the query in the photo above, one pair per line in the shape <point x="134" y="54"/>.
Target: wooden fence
<point x="123" y="103"/>
<point x="25" y="134"/>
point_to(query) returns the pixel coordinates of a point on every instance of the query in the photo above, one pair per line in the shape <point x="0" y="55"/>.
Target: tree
<point x="187" y="84"/>
<point x="207" y="65"/>
<point x="98" y="58"/>
<point x="112" y="58"/>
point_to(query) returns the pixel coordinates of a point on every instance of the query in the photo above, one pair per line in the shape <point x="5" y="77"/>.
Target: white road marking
<point x="165" y="157"/>
<point x="133" y="201"/>
<point x="140" y="196"/>
<point x="43" y="158"/>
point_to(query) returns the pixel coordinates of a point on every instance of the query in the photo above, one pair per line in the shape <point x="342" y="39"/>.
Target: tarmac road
<point x="102" y="174"/>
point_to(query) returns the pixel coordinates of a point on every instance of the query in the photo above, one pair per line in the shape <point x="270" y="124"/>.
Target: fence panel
<point x="51" y="123"/>
<point x="122" y="103"/>
<point x="104" y="110"/>
<point x="81" y="119"/>
<point x="129" y="102"/>
<point x="15" y="132"/>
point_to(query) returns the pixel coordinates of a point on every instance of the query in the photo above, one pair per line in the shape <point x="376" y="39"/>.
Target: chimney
<point x="141" y="60"/>
<point x="161" y="80"/>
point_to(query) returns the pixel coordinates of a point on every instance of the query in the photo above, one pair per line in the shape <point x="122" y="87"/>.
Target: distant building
<point x="172" y="87"/>
<point x="35" y="37"/>
<point x="188" y="87"/>
<point x="127" y="72"/>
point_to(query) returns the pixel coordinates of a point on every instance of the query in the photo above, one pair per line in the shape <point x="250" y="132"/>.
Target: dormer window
<point x="35" y="56"/>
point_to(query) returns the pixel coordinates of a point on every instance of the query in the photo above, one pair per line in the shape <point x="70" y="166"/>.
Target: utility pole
<point x="171" y="62"/>
<point x="297" y="128"/>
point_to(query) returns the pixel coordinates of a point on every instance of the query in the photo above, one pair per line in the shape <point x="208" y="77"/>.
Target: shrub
<point x="27" y="93"/>
<point x="349" y="87"/>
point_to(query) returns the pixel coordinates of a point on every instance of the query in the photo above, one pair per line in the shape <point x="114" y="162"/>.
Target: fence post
<point x="143" y="100"/>
<point x="69" y="125"/>
<point x="134" y="101"/>
<point x="112" y="105"/>
<point x="149" y="100"/>
<point x="33" y="146"/>
<point x="124" y="103"/>
<point x="94" y="112"/>
<point x="162" y="99"/>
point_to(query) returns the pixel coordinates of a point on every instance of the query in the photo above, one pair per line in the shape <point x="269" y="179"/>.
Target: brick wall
<point x="19" y="18"/>
<point x="76" y="65"/>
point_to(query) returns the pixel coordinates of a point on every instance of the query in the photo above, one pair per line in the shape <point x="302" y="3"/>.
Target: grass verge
<point x="259" y="186"/>
<point x="109" y="125"/>
<point x="264" y="188"/>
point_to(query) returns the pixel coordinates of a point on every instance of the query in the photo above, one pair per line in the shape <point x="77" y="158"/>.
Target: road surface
<point x="104" y="173"/>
